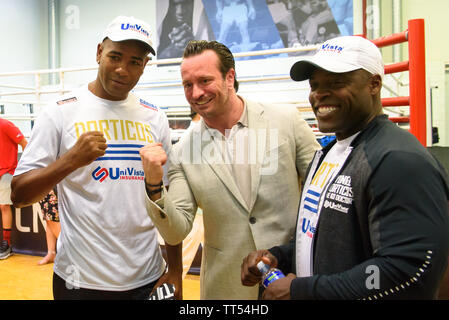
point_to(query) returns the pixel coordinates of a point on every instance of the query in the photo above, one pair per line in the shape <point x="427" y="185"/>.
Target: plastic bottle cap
<point x="263" y="268"/>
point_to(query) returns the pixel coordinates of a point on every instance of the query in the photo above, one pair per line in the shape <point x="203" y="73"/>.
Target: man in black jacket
<point x="373" y="220"/>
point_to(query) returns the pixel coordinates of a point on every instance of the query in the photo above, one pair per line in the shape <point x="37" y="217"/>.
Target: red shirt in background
<point x="10" y="136"/>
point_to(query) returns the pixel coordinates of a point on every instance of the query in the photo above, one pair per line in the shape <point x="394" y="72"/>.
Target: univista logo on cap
<point x="333" y="48"/>
<point x="135" y="27"/>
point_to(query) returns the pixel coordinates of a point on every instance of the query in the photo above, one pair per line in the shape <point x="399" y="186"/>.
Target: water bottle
<point x="269" y="275"/>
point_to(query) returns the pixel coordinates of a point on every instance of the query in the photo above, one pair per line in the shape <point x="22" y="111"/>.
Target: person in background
<point x="241" y="164"/>
<point x="49" y="208"/>
<point x="195" y="118"/>
<point x="10" y="138"/>
<point x="87" y="144"/>
<point x="373" y="219"/>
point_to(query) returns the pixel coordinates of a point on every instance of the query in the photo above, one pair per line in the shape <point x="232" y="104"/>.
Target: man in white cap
<point x="373" y="216"/>
<point x="88" y="144"/>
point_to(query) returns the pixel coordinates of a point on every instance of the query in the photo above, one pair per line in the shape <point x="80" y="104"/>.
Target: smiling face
<point x="206" y="89"/>
<point x="120" y="66"/>
<point x="344" y="103"/>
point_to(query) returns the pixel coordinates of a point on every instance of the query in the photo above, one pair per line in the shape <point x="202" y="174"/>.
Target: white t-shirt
<point x="107" y="240"/>
<point x="312" y="201"/>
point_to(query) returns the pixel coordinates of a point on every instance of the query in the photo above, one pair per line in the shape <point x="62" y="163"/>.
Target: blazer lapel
<point x="259" y="137"/>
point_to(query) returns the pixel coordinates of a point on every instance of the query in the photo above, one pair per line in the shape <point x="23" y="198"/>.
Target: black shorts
<point x="61" y="292"/>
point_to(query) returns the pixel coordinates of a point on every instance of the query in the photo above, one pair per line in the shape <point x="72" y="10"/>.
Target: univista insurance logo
<point x="100" y="174"/>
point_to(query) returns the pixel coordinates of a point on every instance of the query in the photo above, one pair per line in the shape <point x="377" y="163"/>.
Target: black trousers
<point x="61" y="292"/>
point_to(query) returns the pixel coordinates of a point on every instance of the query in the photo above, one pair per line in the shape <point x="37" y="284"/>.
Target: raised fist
<point x="89" y="146"/>
<point x="153" y="158"/>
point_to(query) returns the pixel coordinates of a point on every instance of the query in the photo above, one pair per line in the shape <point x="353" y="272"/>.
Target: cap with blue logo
<point x="129" y="28"/>
<point x="339" y="55"/>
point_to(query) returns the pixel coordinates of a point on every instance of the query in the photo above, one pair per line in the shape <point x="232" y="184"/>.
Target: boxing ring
<point x="416" y="65"/>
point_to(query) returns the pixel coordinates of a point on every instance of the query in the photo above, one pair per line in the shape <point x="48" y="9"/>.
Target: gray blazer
<point x="283" y="146"/>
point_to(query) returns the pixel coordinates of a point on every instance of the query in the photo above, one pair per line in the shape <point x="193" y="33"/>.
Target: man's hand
<point x="172" y="278"/>
<point x="250" y="273"/>
<point x="279" y="289"/>
<point x="175" y="268"/>
<point x="89" y="146"/>
<point x="153" y="158"/>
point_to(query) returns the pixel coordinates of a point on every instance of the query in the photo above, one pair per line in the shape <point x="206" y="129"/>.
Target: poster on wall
<point x="308" y="22"/>
<point x="178" y="22"/>
<point x="249" y="25"/>
<point x="243" y="25"/>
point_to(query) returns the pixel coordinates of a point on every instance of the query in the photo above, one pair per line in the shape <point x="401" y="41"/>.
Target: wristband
<point x="154" y="185"/>
<point x="153" y="192"/>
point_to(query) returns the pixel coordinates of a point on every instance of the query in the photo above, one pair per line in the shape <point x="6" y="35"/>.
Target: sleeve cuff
<point x="159" y="204"/>
<point x="302" y="289"/>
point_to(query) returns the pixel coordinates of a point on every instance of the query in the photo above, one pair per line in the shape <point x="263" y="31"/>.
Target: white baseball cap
<point x="341" y="54"/>
<point x="129" y="28"/>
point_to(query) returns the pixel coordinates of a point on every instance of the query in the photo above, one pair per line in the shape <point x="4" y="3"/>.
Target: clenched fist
<point x="89" y="146"/>
<point x="153" y="158"/>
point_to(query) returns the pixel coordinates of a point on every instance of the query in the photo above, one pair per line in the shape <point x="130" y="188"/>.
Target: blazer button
<point x="252" y="220"/>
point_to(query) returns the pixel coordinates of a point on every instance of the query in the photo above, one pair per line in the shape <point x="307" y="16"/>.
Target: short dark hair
<point x="225" y="55"/>
<point x="193" y="113"/>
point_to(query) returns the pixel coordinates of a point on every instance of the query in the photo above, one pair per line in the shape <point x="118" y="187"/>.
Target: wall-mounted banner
<point x="249" y="25"/>
<point x="28" y="231"/>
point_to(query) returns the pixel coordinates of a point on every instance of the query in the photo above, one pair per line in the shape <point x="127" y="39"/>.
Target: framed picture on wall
<point x="178" y="22"/>
<point x="250" y="25"/>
